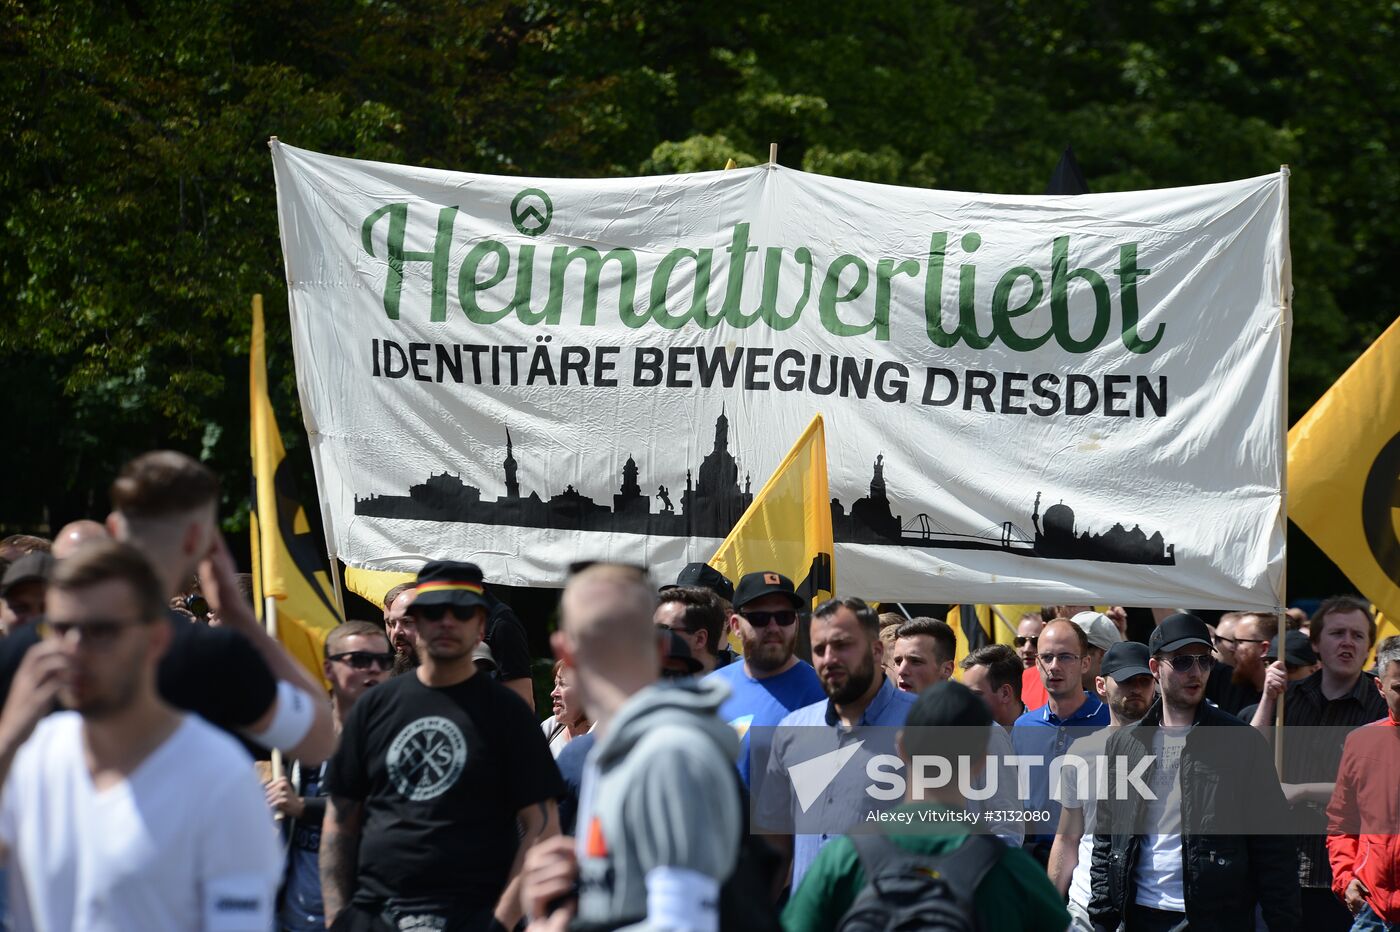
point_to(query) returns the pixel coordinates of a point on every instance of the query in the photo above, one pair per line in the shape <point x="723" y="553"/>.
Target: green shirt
<point x="1015" y="894"/>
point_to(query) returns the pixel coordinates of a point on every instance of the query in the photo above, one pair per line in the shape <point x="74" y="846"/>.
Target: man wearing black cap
<point x="771" y="681"/>
<point x="441" y="783"/>
<point x="1192" y="854"/>
<point x="704" y="576"/>
<point x="946" y="721"/>
<point x="1126" y="686"/>
<point x="23" y="588"/>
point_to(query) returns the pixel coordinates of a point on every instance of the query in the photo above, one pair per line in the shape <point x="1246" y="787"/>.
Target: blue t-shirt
<point x="570" y="763"/>
<point x="757" y="703"/>
<point x="1043" y="734"/>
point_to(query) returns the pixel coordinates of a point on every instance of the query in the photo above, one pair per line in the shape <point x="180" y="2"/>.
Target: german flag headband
<point x="425" y="588"/>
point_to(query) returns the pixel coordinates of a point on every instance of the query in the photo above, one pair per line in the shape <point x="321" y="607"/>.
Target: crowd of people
<point x="422" y="791"/>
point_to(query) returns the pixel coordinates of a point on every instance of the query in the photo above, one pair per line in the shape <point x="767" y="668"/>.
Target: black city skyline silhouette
<point x="712" y="502"/>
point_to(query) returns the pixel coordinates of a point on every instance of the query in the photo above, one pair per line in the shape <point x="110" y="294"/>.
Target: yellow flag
<point x="973" y="627"/>
<point x="373" y="585"/>
<point x="1387" y="626"/>
<point x="1344" y="473"/>
<point x="787" y="529"/>
<point x="288" y="564"/>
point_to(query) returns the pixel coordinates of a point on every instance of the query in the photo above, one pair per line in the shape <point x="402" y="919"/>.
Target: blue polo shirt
<point x="755" y="703"/>
<point x="1044" y="734"/>
<point x="838" y="809"/>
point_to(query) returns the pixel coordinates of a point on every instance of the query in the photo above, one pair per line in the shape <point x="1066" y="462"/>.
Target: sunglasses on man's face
<point x="761" y="619"/>
<point x="1022" y="642"/>
<point x="1183" y="663"/>
<point x="439" y="612"/>
<point x="364" y="659"/>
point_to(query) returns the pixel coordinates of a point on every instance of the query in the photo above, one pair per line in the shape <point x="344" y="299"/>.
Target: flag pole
<point x="1286" y="311"/>
<point x="270" y="622"/>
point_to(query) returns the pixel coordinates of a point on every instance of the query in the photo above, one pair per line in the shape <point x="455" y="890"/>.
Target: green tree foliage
<point x="140" y="210"/>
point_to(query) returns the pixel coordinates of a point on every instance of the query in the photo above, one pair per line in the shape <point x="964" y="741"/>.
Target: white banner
<point x="1027" y="399"/>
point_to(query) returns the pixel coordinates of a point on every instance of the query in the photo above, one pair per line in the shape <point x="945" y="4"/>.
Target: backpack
<point x="905" y="892"/>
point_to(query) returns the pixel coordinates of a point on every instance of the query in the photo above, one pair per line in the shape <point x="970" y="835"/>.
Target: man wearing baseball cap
<point x="1189" y="856"/>
<point x="23" y="588"/>
<point x="441" y="783"/>
<point x="770" y="681"/>
<point x="1102" y="634"/>
<point x="1126" y="686"/>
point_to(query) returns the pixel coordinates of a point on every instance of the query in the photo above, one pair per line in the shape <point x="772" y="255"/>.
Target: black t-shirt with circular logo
<point x="442" y="774"/>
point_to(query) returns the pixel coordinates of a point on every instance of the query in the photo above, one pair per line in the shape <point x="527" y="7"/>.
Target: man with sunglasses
<point x="124" y="813"/>
<point x="1235" y="688"/>
<point x="357" y="657"/>
<point x="1027" y="632"/>
<point x="1191" y="855"/>
<point x="441" y="783"/>
<point x="771" y="681"/>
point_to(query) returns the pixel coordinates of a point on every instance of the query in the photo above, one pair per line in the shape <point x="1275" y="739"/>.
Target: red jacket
<point x="1363" y="818"/>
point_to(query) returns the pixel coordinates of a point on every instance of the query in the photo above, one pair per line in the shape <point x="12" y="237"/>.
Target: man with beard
<point x="1235" y="688"/>
<point x="771" y="681"/>
<point x="1342" y="697"/>
<point x="124" y="813"/>
<point x="1224" y="638"/>
<point x="398" y="627"/>
<point x="1125" y="683"/>
<point x="441" y="783"/>
<point x="849" y="659"/>
<point x="357" y="658"/>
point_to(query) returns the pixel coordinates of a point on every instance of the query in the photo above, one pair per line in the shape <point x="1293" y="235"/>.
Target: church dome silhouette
<point x="1059" y="521"/>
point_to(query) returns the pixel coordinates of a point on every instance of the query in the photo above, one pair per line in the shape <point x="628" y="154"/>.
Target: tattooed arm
<point x="339" y="854"/>
<point x="536" y="822"/>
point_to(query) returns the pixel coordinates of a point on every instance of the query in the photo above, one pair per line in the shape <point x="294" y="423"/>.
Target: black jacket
<point x="1228" y="785"/>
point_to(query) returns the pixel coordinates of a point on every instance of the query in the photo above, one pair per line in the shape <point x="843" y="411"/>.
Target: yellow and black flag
<point x="288" y="566"/>
<point x="973" y="626"/>
<point x="787" y="529"/>
<point x="1344" y="473"/>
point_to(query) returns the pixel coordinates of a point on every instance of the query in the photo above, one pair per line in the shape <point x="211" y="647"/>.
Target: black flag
<point x="1067" y="178"/>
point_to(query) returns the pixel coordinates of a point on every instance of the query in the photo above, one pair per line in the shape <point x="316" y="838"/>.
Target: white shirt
<point x="1074" y="795"/>
<point x="185" y="843"/>
<point x="1011" y="831"/>
<point x="1159" y="870"/>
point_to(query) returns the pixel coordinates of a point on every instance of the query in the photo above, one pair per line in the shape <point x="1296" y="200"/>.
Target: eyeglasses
<point x="1022" y="642"/>
<point x="364" y="659"/>
<point x="761" y="619"/>
<point x="1048" y="660"/>
<point x="1184" y="662"/>
<point x="1221" y="639"/>
<point x="97" y="634"/>
<point x="439" y="612"/>
<point x="1254" y="640"/>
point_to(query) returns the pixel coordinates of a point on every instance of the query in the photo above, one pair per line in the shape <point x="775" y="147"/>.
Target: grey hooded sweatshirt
<point x="660" y="794"/>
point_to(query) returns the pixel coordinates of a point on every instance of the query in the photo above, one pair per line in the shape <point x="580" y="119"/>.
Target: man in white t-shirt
<point x="1125" y="683"/>
<point x="124" y="813"/>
